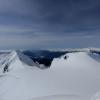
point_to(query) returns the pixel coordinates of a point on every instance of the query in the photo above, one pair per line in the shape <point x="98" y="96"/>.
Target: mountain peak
<point x="13" y="60"/>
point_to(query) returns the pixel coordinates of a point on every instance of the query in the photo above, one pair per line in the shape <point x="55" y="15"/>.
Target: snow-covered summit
<point x="73" y="76"/>
<point x="13" y="60"/>
<point x="77" y="59"/>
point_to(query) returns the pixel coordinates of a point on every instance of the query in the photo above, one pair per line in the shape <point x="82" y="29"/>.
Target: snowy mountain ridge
<point x="73" y="76"/>
<point x="6" y="60"/>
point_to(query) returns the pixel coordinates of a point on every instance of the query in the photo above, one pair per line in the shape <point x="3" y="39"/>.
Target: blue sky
<point x="43" y="24"/>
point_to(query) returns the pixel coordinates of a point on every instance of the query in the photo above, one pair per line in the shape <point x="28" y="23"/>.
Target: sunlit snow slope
<point x="74" y="76"/>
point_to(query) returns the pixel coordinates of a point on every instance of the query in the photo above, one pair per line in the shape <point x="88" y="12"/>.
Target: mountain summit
<point x="73" y="76"/>
<point x="14" y="60"/>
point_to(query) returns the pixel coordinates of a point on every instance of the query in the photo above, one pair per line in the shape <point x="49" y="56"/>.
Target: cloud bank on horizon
<point x="40" y="24"/>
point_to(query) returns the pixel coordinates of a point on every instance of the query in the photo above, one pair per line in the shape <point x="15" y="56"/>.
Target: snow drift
<point x="73" y="76"/>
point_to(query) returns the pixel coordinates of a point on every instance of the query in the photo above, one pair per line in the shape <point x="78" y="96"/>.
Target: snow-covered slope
<point x="9" y="60"/>
<point x="25" y="59"/>
<point x="74" y="76"/>
<point x="79" y="59"/>
<point x="6" y="60"/>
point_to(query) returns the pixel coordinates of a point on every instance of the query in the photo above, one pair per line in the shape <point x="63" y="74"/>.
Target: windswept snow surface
<point x="74" y="76"/>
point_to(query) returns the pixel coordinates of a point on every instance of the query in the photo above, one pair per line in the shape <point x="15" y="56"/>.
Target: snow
<point x="25" y="59"/>
<point x="75" y="78"/>
<point x="7" y="59"/>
